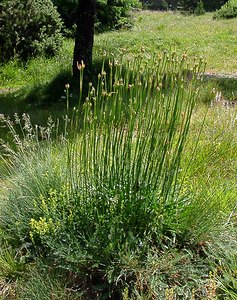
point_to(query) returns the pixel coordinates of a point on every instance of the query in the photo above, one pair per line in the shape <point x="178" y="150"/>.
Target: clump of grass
<point x="11" y="266"/>
<point x="222" y="251"/>
<point x="109" y="197"/>
<point x="46" y="283"/>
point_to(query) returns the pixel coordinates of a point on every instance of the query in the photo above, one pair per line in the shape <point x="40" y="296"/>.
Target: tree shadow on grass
<point x="48" y="95"/>
<point x="33" y="98"/>
<point x="40" y="102"/>
<point x="43" y="100"/>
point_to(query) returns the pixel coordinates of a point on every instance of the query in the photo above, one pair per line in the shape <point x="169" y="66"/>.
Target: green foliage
<point x="44" y="187"/>
<point x="29" y="28"/>
<point x="203" y="37"/>
<point x="115" y="14"/>
<point x="211" y="5"/>
<point x="112" y="14"/>
<point x="200" y="8"/>
<point x="227" y="11"/>
<point x="223" y="252"/>
<point x="67" y="10"/>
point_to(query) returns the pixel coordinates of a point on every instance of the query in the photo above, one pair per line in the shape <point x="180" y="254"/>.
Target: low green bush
<point x="227" y="11"/>
<point x="115" y="14"/>
<point x="199" y="9"/>
<point x="29" y="28"/>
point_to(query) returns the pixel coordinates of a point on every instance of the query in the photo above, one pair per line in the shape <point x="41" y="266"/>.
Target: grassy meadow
<point x="214" y="40"/>
<point x="123" y="186"/>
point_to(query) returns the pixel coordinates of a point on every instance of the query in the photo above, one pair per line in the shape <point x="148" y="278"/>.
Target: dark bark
<point x="84" y="39"/>
<point x="111" y="2"/>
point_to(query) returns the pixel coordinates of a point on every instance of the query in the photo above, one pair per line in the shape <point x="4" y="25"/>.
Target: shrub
<point x="200" y="8"/>
<point x="115" y="14"/>
<point x="29" y="28"/>
<point x="211" y="5"/>
<point x="68" y="12"/>
<point x="227" y="11"/>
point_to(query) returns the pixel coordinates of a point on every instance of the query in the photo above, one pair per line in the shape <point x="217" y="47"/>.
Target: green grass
<point x="214" y="166"/>
<point x="38" y="86"/>
<point x="215" y="40"/>
<point x="16" y="74"/>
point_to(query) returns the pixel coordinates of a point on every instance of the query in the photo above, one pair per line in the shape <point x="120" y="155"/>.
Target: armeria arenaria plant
<point x="125" y="160"/>
<point x="115" y="189"/>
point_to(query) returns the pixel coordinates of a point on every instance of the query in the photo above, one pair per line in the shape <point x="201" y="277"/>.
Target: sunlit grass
<point x="36" y="71"/>
<point x="202" y="36"/>
<point x="213" y="167"/>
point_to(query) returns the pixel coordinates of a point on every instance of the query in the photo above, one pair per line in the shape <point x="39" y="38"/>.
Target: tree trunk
<point x="84" y="35"/>
<point x="111" y="2"/>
